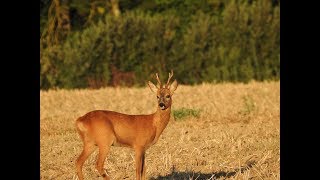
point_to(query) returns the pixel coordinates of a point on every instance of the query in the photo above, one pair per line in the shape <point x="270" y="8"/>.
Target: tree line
<point x="201" y="41"/>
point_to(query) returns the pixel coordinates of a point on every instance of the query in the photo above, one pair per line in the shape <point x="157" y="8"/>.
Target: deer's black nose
<point x="161" y="104"/>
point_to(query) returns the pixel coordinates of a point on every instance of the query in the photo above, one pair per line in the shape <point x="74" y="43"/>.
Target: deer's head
<point x="164" y="92"/>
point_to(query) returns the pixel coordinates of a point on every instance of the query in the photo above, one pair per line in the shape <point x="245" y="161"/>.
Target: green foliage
<point x="44" y="7"/>
<point x="183" y="113"/>
<point x="238" y="41"/>
<point x="248" y="109"/>
<point x="81" y="60"/>
<point x="140" y="42"/>
<point x="248" y="106"/>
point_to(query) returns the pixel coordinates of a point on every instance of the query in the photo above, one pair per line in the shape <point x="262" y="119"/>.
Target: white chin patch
<point x="162" y="108"/>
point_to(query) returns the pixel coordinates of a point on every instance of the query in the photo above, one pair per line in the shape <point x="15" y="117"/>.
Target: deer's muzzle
<point x="162" y="106"/>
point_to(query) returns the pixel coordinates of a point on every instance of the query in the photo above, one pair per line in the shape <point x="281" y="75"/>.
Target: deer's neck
<point x="161" y="120"/>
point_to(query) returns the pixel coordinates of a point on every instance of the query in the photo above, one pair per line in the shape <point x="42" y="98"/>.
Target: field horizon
<point x="233" y="134"/>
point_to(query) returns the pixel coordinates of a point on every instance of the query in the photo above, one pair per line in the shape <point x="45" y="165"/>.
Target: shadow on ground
<point x="202" y="176"/>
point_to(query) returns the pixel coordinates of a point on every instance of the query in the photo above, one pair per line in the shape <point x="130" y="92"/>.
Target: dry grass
<point x="236" y="136"/>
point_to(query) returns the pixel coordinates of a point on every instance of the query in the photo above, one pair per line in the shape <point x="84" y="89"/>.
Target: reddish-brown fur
<point x="105" y="128"/>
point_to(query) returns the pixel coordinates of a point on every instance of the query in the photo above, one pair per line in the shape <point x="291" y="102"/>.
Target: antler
<point x="170" y="76"/>
<point x="157" y="77"/>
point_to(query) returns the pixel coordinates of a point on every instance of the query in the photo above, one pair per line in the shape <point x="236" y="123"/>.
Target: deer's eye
<point x="157" y="97"/>
<point x="168" y="96"/>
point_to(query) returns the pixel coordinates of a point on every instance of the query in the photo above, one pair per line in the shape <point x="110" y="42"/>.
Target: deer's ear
<point x="152" y="87"/>
<point x="173" y="86"/>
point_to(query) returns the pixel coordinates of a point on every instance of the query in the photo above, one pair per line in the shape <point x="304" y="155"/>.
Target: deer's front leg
<point x="143" y="175"/>
<point x="140" y="167"/>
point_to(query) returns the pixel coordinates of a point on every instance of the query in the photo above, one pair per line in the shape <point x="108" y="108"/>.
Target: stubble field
<point x="235" y="133"/>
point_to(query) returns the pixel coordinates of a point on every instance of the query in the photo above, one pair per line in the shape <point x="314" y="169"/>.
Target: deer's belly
<point x="119" y="143"/>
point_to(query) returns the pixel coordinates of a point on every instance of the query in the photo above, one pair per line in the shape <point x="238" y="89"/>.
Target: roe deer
<point x="105" y="128"/>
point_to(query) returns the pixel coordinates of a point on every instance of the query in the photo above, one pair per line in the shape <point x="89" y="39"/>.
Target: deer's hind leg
<point x="88" y="148"/>
<point x="104" y="143"/>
